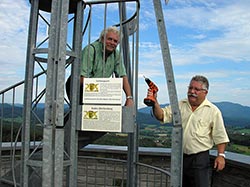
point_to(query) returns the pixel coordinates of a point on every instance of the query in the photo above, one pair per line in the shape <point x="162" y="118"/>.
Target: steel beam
<point x="176" y="153"/>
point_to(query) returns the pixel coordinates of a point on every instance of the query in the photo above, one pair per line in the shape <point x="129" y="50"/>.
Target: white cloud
<point x="227" y="48"/>
<point x="13" y="35"/>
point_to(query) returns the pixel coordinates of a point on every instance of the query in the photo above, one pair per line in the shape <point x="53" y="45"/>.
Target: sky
<point x="205" y="37"/>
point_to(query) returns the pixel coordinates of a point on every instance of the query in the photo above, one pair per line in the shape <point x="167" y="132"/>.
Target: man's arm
<point x="127" y="90"/>
<point x="219" y="162"/>
<point x="157" y="111"/>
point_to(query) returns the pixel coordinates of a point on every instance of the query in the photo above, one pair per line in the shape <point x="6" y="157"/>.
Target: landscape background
<point x="151" y="132"/>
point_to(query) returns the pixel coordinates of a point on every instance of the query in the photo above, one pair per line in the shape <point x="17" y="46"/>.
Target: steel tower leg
<point x="28" y="92"/>
<point x="176" y="152"/>
<point x="71" y="142"/>
<point x="53" y="138"/>
<point x="132" y="154"/>
<point x="55" y="154"/>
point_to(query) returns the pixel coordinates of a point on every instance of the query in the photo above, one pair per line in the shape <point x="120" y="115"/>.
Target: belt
<point x="194" y="154"/>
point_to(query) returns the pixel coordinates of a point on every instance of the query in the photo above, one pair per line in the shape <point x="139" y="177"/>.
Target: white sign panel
<point x="102" y="91"/>
<point x="102" y="100"/>
<point x="102" y="118"/>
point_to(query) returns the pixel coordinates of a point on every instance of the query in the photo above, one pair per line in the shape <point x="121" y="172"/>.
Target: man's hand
<point x="219" y="163"/>
<point x="151" y="93"/>
<point x="129" y="102"/>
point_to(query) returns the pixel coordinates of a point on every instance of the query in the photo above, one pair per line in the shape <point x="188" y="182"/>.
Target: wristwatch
<point x="222" y="154"/>
<point x="129" y="97"/>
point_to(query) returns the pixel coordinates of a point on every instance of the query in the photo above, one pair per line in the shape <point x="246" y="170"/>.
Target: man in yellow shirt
<point x="203" y="127"/>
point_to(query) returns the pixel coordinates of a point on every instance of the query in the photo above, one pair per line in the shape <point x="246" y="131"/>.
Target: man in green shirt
<point x="101" y="59"/>
<point x="203" y="127"/>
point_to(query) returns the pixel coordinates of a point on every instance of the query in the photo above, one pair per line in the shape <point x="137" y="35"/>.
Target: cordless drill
<point x="150" y="99"/>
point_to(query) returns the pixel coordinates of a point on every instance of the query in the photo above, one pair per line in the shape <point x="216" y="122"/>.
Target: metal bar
<point x="1" y="134"/>
<point x="104" y="40"/>
<point x="131" y="174"/>
<point x="132" y="137"/>
<point x="176" y="154"/>
<point x="12" y="120"/>
<point x="75" y="115"/>
<point x="47" y="161"/>
<point x="52" y="173"/>
<point x="28" y="90"/>
<point x="59" y="147"/>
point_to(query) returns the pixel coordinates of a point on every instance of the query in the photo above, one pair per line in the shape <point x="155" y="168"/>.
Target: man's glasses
<point x="196" y="89"/>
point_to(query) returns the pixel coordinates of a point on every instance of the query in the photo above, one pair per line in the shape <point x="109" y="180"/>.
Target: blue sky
<point x="207" y="37"/>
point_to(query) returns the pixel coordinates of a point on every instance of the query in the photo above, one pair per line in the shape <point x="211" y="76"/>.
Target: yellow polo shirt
<point x="202" y="128"/>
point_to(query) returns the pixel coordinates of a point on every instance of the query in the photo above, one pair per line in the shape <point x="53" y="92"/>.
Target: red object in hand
<point x="150" y="99"/>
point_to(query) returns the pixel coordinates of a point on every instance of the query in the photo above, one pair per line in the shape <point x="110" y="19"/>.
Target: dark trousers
<point x="196" y="170"/>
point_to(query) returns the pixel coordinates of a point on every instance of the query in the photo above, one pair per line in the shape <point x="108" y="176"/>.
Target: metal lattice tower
<point x="54" y="56"/>
<point x="59" y="146"/>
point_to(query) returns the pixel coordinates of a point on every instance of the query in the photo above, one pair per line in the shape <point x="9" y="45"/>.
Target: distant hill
<point x="233" y="114"/>
<point x="9" y="111"/>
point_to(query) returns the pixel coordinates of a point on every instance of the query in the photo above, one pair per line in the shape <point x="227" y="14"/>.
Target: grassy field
<point x="242" y="149"/>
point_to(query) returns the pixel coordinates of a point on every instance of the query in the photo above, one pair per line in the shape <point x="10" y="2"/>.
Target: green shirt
<point x="93" y="65"/>
<point x="202" y="128"/>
